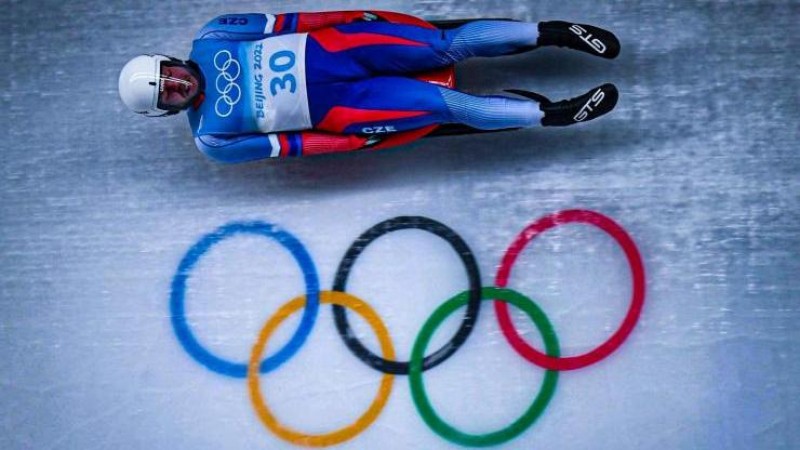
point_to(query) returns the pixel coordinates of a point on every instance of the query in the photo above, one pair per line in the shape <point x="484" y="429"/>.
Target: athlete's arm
<point x="251" y="147"/>
<point x="246" y="27"/>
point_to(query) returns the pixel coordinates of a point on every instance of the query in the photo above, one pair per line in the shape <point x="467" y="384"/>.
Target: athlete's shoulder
<point x="244" y="26"/>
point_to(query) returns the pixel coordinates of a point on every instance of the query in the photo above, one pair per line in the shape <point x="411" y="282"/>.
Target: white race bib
<point x="278" y="85"/>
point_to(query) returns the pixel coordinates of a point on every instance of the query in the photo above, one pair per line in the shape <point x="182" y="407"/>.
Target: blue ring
<point x="178" y="294"/>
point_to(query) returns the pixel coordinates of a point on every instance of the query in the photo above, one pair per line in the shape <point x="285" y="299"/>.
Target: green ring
<point x="540" y="402"/>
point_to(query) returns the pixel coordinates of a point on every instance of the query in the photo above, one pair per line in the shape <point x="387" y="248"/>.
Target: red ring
<point x="631" y="318"/>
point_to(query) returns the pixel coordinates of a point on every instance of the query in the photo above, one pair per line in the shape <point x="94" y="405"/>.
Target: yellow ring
<point x="349" y="431"/>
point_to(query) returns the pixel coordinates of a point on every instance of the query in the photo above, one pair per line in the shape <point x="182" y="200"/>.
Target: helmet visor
<point x="178" y="86"/>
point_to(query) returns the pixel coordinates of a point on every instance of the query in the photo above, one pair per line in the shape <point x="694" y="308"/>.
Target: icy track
<point x="137" y="276"/>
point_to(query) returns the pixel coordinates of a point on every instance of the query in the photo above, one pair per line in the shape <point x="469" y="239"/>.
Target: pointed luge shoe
<point x="586" y="38"/>
<point x="589" y="106"/>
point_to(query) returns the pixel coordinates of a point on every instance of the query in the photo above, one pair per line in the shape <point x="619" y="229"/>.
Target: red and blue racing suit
<point x="308" y="83"/>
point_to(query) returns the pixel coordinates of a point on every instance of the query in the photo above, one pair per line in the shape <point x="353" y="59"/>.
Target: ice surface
<point x="699" y="163"/>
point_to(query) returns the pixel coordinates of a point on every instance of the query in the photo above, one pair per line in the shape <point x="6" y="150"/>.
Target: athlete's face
<point x="178" y="86"/>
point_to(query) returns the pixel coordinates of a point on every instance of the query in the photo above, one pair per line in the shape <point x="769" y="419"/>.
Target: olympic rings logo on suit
<point x="230" y="79"/>
<point x="550" y="359"/>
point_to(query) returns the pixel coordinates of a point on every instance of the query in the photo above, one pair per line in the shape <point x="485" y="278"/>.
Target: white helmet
<point x="140" y="84"/>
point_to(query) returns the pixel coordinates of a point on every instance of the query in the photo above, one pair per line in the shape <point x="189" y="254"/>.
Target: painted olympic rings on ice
<point x="473" y="305"/>
<point x="529" y="416"/>
<point x="550" y="359"/>
<point x="178" y="297"/>
<point x="336" y="437"/>
<point x="631" y="318"/>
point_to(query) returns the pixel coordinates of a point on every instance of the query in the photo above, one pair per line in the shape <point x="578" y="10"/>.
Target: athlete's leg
<point x="390" y="104"/>
<point x="363" y="49"/>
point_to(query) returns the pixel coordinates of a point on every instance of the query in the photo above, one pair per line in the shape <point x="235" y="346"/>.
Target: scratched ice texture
<point x="699" y="163"/>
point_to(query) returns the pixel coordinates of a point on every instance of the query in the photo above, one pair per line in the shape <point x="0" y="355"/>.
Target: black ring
<point x="473" y="305"/>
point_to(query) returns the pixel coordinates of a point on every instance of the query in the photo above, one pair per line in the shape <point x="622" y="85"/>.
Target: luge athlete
<point x="261" y="85"/>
